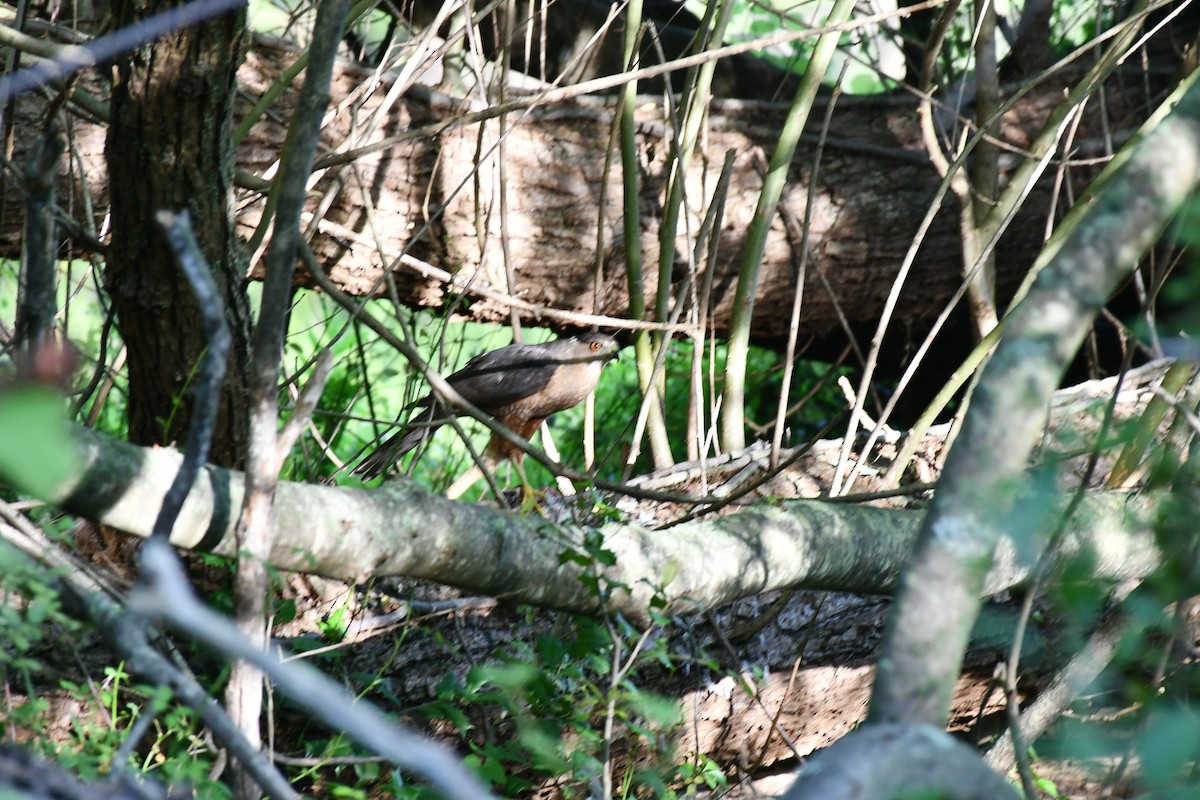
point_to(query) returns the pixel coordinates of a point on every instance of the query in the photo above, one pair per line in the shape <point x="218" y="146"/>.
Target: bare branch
<point x="178" y="228"/>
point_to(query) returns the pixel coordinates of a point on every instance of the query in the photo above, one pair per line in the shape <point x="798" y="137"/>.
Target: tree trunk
<point x="420" y="200"/>
<point x="169" y="147"/>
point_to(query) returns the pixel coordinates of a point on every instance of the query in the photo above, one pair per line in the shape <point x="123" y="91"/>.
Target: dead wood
<point x="425" y="190"/>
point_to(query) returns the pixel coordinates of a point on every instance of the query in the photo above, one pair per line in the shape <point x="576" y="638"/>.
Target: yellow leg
<point x="530" y="497"/>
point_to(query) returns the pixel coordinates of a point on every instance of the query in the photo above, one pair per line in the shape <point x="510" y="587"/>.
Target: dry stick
<point x="676" y="144"/>
<point x="126" y="632"/>
<point x="589" y="451"/>
<point x="413" y="68"/>
<point x="706" y="506"/>
<point x="102" y="379"/>
<point x="1144" y="431"/>
<point x="277" y="88"/>
<point x="816" y="388"/>
<point x="999" y="215"/>
<point x="427" y="269"/>
<point x="617" y="674"/>
<point x="681" y="147"/>
<point x="178" y="229"/>
<point x="802" y="645"/>
<point x="267" y="220"/>
<point x="1188" y="416"/>
<point x="1096" y="655"/>
<point x="649" y="407"/>
<point x="1066" y="686"/>
<point x="306" y="254"/>
<point x="1038" y="576"/>
<point x="1012" y="703"/>
<point x="756" y="698"/>
<point x="432" y="217"/>
<point x="1172" y="528"/>
<point x="17" y="531"/>
<point x="967" y="371"/>
<point x="949" y="173"/>
<point x="1123" y="37"/>
<point x="301" y="63"/>
<point x="801" y="271"/>
<point x="510" y="273"/>
<point x="106" y="386"/>
<point x="709" y="241"/>
<point x="12" y="61"/>
<point x="306" y="403"/>
<point x="789" y="354"/>
<point x="101" y="371"/>
<point x="244" y="691"/>
<point x="532" y="309"/>
<point x="306" y="424"/>
<point x="646" y="410"/>
<point x="497" y="154"/>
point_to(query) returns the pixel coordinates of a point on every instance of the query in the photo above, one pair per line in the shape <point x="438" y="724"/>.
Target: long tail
<point x="419" y="428"/>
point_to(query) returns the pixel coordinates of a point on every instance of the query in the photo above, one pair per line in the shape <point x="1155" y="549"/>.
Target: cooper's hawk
<point x="521" y="385"/>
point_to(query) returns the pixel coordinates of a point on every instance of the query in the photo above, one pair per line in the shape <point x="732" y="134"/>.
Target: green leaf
<point x="657" y="709"/>
<point x="1046" y="785"/>
<point x="38" y="451"/>
<point x="1168" y="745"/>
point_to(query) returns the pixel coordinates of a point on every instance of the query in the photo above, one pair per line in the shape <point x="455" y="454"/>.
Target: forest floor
<point x="762" y="683"/>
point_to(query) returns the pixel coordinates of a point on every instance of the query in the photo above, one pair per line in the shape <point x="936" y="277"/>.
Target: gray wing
<point x="489" y="381"/>
<point x="500" y="377"/>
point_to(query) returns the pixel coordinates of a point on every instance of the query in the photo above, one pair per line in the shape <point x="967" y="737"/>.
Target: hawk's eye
<point x="595" y="346"/>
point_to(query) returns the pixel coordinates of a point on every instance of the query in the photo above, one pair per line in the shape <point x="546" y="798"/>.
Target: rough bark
<point x="875" y="184"/>
<point x="169" y="147"/>
<point x="418" y="196"/>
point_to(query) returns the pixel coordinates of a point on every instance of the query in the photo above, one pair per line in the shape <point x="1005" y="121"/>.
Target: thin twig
<point x="178" y="228"/>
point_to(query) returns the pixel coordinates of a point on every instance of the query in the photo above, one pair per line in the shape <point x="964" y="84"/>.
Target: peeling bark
<point x="422" y="194"/>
